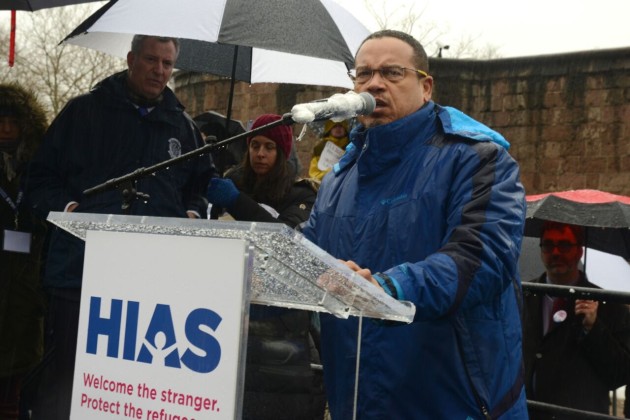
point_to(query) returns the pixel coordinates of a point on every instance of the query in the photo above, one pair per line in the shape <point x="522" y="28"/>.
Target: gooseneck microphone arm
<point x="126" y="183"/>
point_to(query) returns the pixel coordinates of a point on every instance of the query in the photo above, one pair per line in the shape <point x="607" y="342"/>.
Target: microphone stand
<point x="128" y="183"/>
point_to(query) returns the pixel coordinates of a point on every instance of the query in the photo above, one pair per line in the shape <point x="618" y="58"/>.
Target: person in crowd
<point x="282" y="343"/>
<point x="575" y="350"/>
<point x="127" y="121"/>
<point x="428" y="205"/>
<point x="329" y="149"/>
<point x="22" y="126"/>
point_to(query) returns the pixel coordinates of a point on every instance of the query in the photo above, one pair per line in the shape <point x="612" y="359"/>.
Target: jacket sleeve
<point x="203" y="170"/>
<point x="478" y="259"/>
<point x="46" y="186"/>
<point x="607" y="345"/>
<point x="296" y="212"/>
<point x="300" y="208"/>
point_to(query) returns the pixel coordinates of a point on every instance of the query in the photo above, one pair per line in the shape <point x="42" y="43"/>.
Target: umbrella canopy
<point x="605" y="217"/>
<point x="33" y="5"/>
<point x="216" y="128"/>
<point x="278" y="41"/>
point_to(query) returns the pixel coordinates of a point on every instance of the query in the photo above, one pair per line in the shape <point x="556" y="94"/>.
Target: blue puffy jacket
<point x="433" y="201"/>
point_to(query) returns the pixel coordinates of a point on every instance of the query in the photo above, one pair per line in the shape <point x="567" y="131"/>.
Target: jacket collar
<point x="383" y="146"/>
<point x="116" y="86"/>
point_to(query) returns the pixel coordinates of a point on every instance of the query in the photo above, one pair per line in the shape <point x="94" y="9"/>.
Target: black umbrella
<point x="604" y="216"/>
<point x="215" y="129"/>
<point x="30" y="6"/>
<point x="33" y="5"/>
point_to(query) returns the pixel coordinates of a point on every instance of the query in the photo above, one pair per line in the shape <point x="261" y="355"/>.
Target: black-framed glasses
<point x="563" y="246"/>
<point x="391" y="73"/>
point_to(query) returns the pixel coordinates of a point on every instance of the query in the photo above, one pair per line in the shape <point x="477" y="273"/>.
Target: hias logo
<point x="159" y="339"/>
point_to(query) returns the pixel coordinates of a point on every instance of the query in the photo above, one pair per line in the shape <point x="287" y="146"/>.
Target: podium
<point x="281" y="268"/>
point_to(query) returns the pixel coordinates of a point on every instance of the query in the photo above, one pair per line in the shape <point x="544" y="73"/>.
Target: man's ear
<point x="130" y="58"/>
<point x="427" y="84"/>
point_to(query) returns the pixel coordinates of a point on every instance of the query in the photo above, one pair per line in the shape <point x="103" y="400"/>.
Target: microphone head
<point x="369" y="103"/>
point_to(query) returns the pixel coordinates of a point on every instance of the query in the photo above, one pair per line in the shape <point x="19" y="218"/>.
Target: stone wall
<point x="567" y="116"/>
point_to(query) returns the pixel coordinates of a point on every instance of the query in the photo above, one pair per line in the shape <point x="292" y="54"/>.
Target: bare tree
<point x="56" y="71"/>
<point x="409" y="17"/>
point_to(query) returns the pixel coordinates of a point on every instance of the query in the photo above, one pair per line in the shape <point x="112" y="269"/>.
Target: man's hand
<point x="588" y="308"/>
<point x="363" y="272"/>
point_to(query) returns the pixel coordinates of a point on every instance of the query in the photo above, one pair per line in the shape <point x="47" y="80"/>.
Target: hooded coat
<point x="21" y="299"/>
<point x="434" y="205"/>
<point x="314" y="171"/>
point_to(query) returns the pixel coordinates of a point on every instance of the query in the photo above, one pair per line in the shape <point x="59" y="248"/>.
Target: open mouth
<point x="380" y="103"/>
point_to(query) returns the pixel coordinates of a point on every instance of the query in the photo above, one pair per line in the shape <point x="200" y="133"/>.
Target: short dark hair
<point x="578" y="231"/>
<point x="136" y="42"/>
<point x="421" y="61"/>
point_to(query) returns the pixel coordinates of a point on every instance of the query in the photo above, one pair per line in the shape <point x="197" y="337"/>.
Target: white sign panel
<point x="160" y="327"/>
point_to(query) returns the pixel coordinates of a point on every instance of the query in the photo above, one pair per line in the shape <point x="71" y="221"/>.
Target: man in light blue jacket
<point x="426" y="203"/>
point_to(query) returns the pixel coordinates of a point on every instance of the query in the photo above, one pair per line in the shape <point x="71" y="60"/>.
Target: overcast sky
<point x="522" y="28"/>
<point x="516" y="28"/>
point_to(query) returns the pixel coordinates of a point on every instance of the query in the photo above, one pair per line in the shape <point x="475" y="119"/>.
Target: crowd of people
<point x="417" y="198"/>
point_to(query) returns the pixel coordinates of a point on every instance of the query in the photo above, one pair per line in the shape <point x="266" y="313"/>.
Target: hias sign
<point x="159" y="338"/>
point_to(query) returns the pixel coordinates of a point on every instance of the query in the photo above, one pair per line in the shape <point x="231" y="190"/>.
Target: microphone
<point x="338" y="107"/>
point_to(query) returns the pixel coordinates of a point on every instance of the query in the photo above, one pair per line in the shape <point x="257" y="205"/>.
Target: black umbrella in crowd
<point x="216" y="128"/>
<point x="604" y="216"/>
<point x="310" y="42"/>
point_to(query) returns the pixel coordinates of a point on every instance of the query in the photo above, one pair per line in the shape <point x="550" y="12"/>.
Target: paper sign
<point x="330" y="155"/>
<point x="161" y="326"/>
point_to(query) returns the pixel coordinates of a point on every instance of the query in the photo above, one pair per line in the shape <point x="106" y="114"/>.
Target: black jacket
<point x="569" y="368"/>
<point x="282" y="343"/>
<point x="99" y="136"/>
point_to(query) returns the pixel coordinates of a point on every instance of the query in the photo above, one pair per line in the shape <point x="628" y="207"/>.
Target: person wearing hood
<point x="282" y="343"/>
<point x="127" y="121"/>
<point x="329" y="149"/>
<point x="426" y="204"/>
<point x="22" y="126"/>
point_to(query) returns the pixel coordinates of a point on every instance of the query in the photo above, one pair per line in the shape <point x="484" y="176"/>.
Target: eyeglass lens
<point x="390" y="73"/>
<point x="563" y="246"/>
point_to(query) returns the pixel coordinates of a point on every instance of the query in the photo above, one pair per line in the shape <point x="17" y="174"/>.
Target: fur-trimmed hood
<point x="31" y="118"/>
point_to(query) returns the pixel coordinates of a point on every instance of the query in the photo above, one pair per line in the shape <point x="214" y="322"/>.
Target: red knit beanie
<point x="280" y="134"/>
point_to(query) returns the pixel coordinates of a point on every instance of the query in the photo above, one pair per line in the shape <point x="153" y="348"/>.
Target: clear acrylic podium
<point x="289" y="271"/>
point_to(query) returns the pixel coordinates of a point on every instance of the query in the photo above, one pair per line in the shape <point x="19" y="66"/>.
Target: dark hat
<point x="280" y="134"/>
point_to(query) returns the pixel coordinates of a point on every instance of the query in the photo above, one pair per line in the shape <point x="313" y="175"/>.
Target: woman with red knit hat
<point x="282" y="343"/>
<point x="264" y="187"/>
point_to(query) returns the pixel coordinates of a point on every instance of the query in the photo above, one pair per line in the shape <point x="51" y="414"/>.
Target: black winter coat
<point x="99" y="136"/>
<point x="21" y="297"/>
<point x="282" y="343"/>
<point x="569" y="368"/>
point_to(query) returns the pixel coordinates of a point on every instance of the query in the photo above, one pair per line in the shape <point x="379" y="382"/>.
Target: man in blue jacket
<point x="127" y="121"/>
<point x="427" y="204"/>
